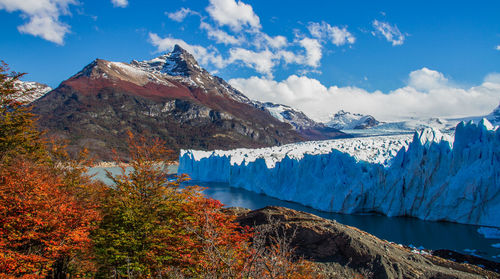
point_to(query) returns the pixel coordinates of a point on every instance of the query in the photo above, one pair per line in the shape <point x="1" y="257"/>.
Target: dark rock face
<point x="347" y="251"/>
<point x="368" y="122"/>
<point x="170" y="97"/>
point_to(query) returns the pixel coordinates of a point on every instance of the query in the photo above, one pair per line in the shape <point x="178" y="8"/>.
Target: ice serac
<point x="431" y="177"/>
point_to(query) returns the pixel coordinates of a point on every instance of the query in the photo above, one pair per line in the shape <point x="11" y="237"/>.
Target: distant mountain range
<point x="364" y="125"/>
<point x="170" y="97"/>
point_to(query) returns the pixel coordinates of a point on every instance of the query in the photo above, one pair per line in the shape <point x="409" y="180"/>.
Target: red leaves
<point x="41" y="222"/>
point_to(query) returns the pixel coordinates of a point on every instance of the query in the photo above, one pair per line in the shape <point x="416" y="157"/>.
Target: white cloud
<point x="234" y="14"/>
<point x="43" y="17"/>
<point x="426" y="79"/>
<point x="263" y="62"/>
<point x="313" y="51"/>
<point x="338" y="36"/>
<point x="262" y="40"/>
<point x="497" y="47"/>
<point x="220" y="36"/>
<point x="492" y="78"/>
<point x="120" y="3"/>
<point x="201" y="54"/>
<point x="181" y="14"/>
<point x="317" y="100"/>
<point x="390" y="32"/>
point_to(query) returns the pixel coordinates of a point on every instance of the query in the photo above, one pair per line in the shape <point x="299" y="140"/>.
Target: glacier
<point x="431" y="176"/>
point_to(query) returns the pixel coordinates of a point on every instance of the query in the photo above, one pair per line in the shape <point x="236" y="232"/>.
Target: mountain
<point x="343" y="120"/>
<point x="309" y="128"/>
<point x="494" y="117"/>
<point x="31" y="90"/>
<point x="170" y="97"/>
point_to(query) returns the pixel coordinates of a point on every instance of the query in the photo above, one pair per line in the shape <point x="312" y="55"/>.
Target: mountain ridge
<point x="170" y="97"/>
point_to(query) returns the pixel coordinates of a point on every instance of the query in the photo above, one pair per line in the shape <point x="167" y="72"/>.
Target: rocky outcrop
<point x="170" y="97"/>
<point x="347" y="252"/>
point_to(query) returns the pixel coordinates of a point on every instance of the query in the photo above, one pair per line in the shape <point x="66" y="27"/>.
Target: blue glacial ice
<point x="431" y="176"/>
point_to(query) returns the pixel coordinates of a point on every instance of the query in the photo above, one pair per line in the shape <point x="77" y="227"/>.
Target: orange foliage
<point x="43" y="225"/>
<point x="155" y="228"/>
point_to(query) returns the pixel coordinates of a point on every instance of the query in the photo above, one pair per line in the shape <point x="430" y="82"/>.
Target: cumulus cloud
<point x="338" y="36"/>
<point x="200" y="53"/>
<point x="497" y="47"/>
<point x="390" y="32"/>
<point x="234" y="14"/>
<point x="426" y="79"/>
<point x="220" y="36"/>
<point x="120" y="3"/>
<point x="263" y="40"/>
<point x="181" y="14"/>
<point x="43" y="17"/>
<point x="263" y="61"/>
<point x="234" y="24"/>
<point x="313" y="51"/>
<point x="428" y="94"/>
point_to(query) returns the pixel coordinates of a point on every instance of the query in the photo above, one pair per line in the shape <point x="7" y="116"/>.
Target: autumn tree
<point x="151" y="224"/>
<point x="45" y="227"/>
<point x="18" y="133"/>
<point x="46" y="202"/>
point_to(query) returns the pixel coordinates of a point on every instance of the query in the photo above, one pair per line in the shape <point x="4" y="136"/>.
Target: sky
<point x="390" y="59"/>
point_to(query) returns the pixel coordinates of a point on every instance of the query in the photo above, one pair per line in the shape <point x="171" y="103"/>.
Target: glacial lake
<point x="407" y="231"/>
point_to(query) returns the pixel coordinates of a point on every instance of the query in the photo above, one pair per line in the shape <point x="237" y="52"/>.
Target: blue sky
<point x="277" y="50"/>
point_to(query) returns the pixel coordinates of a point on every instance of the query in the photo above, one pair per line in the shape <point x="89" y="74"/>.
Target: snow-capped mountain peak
<point x="179" y="62"/>
<point x="343" y="120"/>
<point x="287" y="114"/>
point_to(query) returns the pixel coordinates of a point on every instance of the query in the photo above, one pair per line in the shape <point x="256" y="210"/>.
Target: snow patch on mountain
<point x="289" y="115"/>
<point x="431" y="177"/>
<point x="31" y="91"/>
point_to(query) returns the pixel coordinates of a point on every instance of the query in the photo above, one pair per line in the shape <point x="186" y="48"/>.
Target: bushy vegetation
<point x="55" y="222"/>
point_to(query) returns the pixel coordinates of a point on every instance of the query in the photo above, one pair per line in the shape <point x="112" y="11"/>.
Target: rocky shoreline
<point x="346" y="252"/>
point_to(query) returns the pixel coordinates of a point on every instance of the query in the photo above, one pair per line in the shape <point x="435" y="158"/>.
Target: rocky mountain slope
<point x="300" y="122"/>
<point x="347" y="252"/>
<point x="170" y="97"/>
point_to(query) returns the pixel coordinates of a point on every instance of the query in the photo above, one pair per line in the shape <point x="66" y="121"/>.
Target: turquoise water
<point x="408" y="231"/>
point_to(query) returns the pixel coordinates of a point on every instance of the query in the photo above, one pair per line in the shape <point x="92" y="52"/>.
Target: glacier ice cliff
<point x="431" y="177"/>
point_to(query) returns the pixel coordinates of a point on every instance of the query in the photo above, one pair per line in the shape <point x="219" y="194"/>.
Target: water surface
<point x="407" y="231"/>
